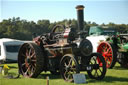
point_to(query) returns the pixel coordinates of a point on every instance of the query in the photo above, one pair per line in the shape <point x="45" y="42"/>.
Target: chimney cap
<point x="79" y="7"/>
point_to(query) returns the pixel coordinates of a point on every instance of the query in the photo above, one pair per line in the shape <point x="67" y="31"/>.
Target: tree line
<point x="16" y="28"/>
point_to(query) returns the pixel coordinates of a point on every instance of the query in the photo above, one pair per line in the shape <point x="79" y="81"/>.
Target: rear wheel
<point x="30" y="60"/>
<point x="68" y="67"/>
<point x="108" y="51"/>
<point x="97" y="69"/>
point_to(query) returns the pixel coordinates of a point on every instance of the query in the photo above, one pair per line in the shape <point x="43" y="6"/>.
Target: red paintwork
<point x="37" y="40"/>
<point x="106" y="50"/>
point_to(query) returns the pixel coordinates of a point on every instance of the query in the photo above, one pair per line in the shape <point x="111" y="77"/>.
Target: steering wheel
<point x="57" y="32"/>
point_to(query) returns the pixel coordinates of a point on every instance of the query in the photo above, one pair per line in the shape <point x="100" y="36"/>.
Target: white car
<point x="9" y="49"/>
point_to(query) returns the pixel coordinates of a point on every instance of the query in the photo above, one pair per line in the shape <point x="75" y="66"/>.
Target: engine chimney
<point x="80" y="17"/>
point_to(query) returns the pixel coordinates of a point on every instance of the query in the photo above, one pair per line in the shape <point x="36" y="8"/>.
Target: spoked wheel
<point x="108" y="51"/>
<point x="68" y="67"/>
<point x="30" y="60"/>
<point x="94" y="70"/>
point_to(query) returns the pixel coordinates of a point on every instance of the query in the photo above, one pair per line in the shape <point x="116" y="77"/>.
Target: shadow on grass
<point x="13" y="67"/>
<point x="51" y="76"/>
<point x="110" y="79"/>
<point x="10" y="65"/>
<point x="120" y="68"/>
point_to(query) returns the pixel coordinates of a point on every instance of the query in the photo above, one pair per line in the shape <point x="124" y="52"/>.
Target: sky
<point x="99" y="11"/>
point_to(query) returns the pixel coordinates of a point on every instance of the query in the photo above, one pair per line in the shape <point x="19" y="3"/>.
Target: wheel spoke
<point x="101" y="47"/>
<point x="104" y="49"/>
<point x="32" y="68"/>
<point x="108" y="55"/>
<point x="70" y="62"/>
<point x="23" y="64"/>
<point x="91" y="62"/>
<point x="110" y="52"/>
<point x="26" y="63"/>
<point x="65" y="74"/>
<point x="33" y="60"/>
<point x="108" y="49"/>
<point x="105" y="45"/>
<point x="95" y="73"/>
<point x="100" y="70"/>
<point x="23" y="55"/>
<point x="65" y="64"/>
<point x="109" y="59"/>
<point x="69" y="76"/>
<point x="27" y="52"/>
<point x="108" y="62"/>
<point x="32" y="55"/>
<point x="30" y="51"/>
<point x="27" y="70"/>
<point x="94" y="60"/>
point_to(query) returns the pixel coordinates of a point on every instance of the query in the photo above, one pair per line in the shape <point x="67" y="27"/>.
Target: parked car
<point x="9" y="49"/>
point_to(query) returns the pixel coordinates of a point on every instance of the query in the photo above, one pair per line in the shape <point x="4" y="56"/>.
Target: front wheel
<point x="68" y="67"/>
<point x="98" y="66"/>
<point x="109" y="52"/>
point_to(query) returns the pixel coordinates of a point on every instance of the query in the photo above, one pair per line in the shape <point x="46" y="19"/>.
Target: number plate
<point x="89" y="68"/>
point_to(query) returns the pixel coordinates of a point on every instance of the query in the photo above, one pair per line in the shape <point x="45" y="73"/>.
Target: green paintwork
<point x="125" y="46"/>
<point x="98" y="30"/>
<point x="95" y="30"/>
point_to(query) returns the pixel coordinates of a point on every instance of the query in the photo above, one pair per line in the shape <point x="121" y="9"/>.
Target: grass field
<point x="115" y="76"/>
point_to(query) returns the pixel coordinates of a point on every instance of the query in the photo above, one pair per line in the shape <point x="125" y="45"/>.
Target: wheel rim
<point x="97" y="72"/>
<point x="57" y="26"/>
<point x="68" y="67"/>
<point x="27" y="61"/>
<point x="106" y="50"/>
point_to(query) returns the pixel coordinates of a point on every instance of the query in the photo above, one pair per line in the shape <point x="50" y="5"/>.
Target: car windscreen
<point x="12" y="48"/>
<point x="109" y="32"/>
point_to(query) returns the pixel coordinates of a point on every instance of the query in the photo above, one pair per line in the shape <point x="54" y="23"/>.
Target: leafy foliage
<point x="22" y="29"/>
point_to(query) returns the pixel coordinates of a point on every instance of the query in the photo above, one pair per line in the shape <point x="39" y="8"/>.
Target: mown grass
<point x="115" y="76"/>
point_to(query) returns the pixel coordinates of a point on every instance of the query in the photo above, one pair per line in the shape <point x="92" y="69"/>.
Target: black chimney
<point x="80" y="17"/>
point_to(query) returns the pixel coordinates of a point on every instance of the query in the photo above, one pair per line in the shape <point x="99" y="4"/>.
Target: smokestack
<point x="80" y="17"/>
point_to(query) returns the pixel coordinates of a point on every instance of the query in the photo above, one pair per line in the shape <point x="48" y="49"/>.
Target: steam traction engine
<point x="115" y="49"/>
<point x="61" y="52"/>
